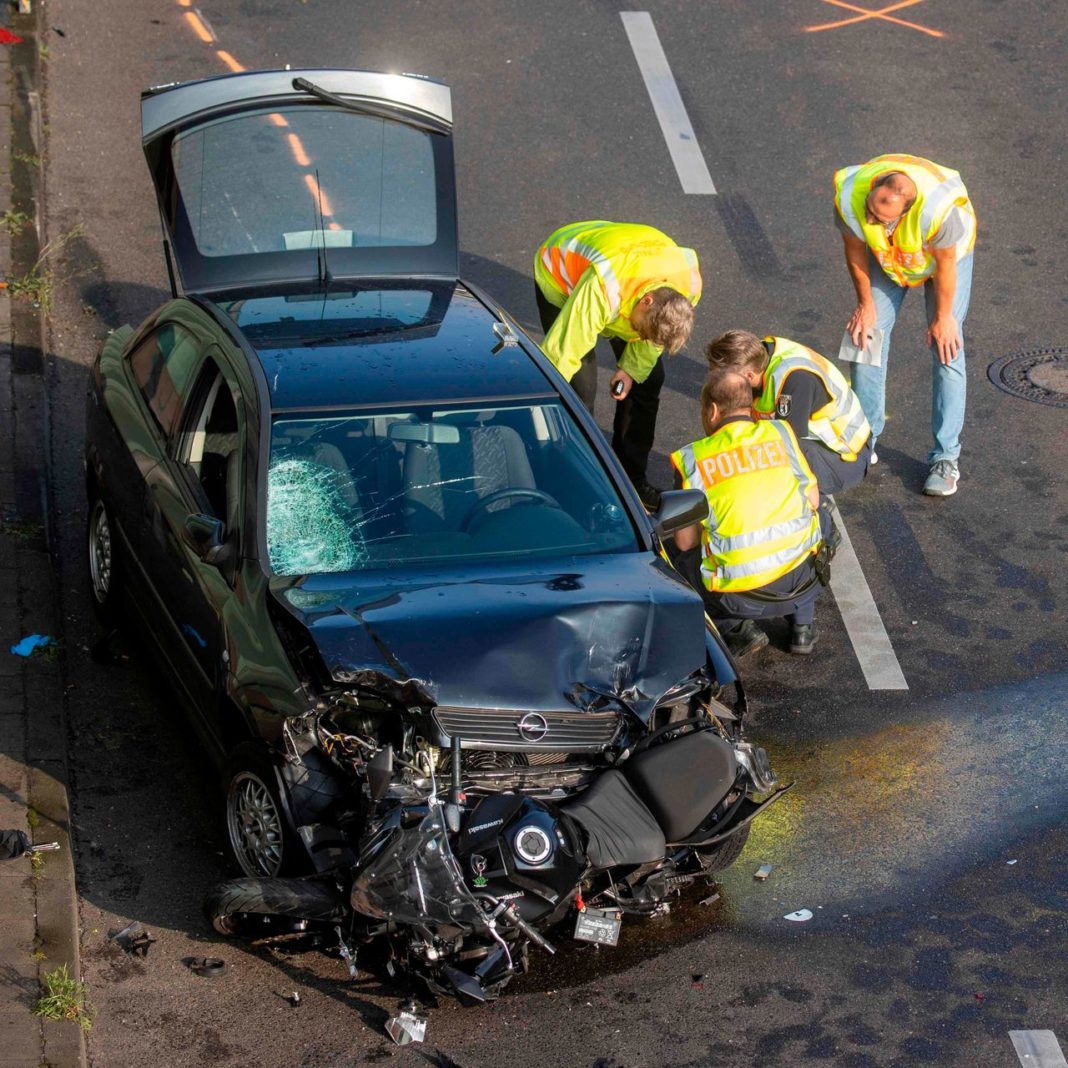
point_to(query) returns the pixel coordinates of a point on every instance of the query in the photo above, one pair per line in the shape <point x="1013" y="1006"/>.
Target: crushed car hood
<point x="544" y="638"/>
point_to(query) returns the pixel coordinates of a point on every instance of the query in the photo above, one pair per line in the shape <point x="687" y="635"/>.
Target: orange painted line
<point x="882" y="13"/>
<point x="297" y="149"/>
<point x="185" y="3"/>
<point x="334" y="226"/>
<point x="317" y="193"/>
<point x="229" y="61"/>
<point x="277" y="119"/>
<point x="199" y="28"/>
<point x="865" y="13"/>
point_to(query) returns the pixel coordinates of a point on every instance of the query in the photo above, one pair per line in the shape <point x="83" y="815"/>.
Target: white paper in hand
<point x="871" y="353"/>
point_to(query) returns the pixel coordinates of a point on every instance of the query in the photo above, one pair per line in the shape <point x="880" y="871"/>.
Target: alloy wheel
<point x="254" y="824"/>
<point x="99" y="552"/>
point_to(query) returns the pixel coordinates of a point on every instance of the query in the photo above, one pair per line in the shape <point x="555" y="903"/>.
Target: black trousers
<point x="634" y="424"/>
<point x="834" y="474"/>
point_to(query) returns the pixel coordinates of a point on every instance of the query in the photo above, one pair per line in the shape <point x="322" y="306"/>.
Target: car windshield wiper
<point x="365" y="107"/>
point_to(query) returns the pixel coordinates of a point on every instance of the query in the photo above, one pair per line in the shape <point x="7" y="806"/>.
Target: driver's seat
<point x="443" y="482"/>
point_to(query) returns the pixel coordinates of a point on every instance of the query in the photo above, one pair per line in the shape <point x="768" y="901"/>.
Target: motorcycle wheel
<point x="260" y="908"/>
<point x="725" y="853"/>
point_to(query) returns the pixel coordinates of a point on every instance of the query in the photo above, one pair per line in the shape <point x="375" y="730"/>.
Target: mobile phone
<point x="617" y="389"/>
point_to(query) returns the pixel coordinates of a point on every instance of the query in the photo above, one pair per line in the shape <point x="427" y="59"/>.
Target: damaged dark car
<point x="397" y="577"/>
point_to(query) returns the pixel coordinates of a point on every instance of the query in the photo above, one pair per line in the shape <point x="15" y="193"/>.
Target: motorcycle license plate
<point x="598" y="925"/>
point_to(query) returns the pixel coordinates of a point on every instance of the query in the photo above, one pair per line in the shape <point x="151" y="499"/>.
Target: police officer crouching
<point x="754" y="557"/>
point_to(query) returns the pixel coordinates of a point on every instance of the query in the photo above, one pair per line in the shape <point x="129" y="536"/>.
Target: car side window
<point x="163" y="365"/>
<point x="210" y="450"/>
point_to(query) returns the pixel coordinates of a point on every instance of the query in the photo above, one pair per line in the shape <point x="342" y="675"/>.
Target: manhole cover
<point x="1039" y="375"/>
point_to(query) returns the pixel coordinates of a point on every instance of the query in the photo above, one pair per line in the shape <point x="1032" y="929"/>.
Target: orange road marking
<point x="882" y="13"/>
<point x="229" y="61"/>
<point x="298" y="150"/>
<point x="317" y="193"/>
<point x="199" y="28"/>
<point x="277" y="119"/>
<point x="185" y="3"/>
<point x="334" y="226"/>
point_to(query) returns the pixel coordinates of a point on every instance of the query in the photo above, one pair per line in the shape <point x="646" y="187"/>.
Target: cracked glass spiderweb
<point x="311" y="529"/>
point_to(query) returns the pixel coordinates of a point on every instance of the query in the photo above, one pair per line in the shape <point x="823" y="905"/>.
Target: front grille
<point x="499" y="728"/>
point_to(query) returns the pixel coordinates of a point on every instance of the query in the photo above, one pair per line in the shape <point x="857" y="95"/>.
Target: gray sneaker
<point x="943" y="479"/>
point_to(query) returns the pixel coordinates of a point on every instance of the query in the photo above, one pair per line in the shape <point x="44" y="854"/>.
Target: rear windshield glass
<point x="363" y="491"/>
<point x="301" y="177"/>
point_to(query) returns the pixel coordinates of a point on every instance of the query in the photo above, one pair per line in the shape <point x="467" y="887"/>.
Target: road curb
<point x="25" y="495"/>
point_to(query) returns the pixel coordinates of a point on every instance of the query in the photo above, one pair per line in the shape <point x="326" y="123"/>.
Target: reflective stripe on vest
<point x="840" y="424"/>
<point x="905" y="256"/>
<point x="630" y="260"/>
<point x="760" y="524"/>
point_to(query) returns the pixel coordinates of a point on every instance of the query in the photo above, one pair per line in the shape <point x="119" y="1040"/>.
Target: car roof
<point x="386" y="343"/>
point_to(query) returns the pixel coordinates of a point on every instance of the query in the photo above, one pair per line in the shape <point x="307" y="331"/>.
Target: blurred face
<point x="885" y="205"/>
<point x="639" y="317"/>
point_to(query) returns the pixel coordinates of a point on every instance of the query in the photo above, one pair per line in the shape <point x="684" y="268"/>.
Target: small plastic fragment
<point x="133" y="939"/>
<point x="30" y="644"/>
<point x="207" y="966"/>
<point x="7" y="37"/>
<point x="762" y="872"/>
<point x="406" y="1027"/>
<point x="57" y="30"/>
<point x="710" y="900"/>
<point x="697" y="979"/>
<point x="980" y="997"/>
<point x="294" y="998"/>
<point x="1010" y="862"/>
<point x="800" y="916"/>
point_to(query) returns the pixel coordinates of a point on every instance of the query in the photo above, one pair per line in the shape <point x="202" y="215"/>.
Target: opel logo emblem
<point x="532" y="727"/>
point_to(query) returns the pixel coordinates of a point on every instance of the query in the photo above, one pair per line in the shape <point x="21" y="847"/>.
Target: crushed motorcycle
<point x="457" y="860"/>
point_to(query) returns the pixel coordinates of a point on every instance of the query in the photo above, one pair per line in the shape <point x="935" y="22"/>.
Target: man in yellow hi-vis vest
<point x="908" y="222"/>
<point x="633" y="285"/>
<point x="754" y="556"/>
<point x="801" y="387"/>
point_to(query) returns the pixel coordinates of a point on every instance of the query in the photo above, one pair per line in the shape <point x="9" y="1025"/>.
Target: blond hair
<point x="670" y="319"/>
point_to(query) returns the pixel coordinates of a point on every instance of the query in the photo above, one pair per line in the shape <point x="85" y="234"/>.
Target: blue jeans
<point x="948" y="393"/>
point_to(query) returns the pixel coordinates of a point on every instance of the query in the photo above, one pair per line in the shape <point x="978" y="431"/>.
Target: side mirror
<point x="678" y="509"/>
<point x="380" y="772"/>
<point x="206" y="536"/>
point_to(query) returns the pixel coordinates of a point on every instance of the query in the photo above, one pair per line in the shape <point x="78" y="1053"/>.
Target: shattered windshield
<point x="428" y="486"/>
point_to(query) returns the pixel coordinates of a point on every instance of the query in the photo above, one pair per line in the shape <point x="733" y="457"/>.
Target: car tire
<point x="725" y="853"/>
<point x="103" y="561"/>
<point x="259" y="830"/>
<point x="260" y="908"/>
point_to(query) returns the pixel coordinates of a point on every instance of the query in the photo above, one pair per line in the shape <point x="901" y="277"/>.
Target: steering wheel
<point x="532" y="496"/>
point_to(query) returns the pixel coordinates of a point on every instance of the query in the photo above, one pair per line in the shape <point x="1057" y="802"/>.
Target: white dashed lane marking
<point x="862" y="621"/>
<point x="667" y="103"/>
<point x="1038" y="1049"/>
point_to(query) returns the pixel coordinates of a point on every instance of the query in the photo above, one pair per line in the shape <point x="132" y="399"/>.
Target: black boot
<point x="803" y="638"/>
<point x="746" y="638"/>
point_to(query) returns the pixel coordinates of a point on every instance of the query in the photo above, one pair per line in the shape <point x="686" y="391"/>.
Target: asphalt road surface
<point x="926" y="833"/>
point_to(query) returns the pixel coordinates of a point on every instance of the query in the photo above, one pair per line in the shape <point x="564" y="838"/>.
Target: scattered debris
<point x="798" y="917"/>
<point x="56" y="29"/>
<point x="294" y="998"/>
<point x="406" y="1027"/>
<point x="13" y="844"/>
<point x="1010" y="862"/>
<point x="31" y="643"/>
<point x="762" y="872"/>
<point x="710" y="900"/>
<point x="697" y="980"/>
<point x="7" y="37"/>
<point x="132" y="939"/>
<point x="206" y="966"/>
<point x="980" y="997"/>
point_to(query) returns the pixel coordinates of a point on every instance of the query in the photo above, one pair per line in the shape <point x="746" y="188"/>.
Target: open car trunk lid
<point x="302" y="178"/>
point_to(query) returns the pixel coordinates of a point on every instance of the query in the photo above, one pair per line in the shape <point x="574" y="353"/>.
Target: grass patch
<point x="14" y="222"/>
<point x="33" y="818"/>
<point x="37" y="863"/>
<point x="36" y="285"/>
<point x="21" y="530"/>
<point x="65" y="998"/>
<point x="31" y="159"/>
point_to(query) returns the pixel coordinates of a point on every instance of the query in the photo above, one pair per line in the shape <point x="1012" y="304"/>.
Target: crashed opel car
<point x="346" y="501"/>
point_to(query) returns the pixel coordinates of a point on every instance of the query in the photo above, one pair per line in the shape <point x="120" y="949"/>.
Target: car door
<point x="201" y="476"/>
<point x="302" y="177"/>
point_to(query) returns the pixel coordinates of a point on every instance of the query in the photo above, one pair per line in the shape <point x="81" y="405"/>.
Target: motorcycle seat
<point x="683" y="780"/>
<point x="620" y="829"/>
